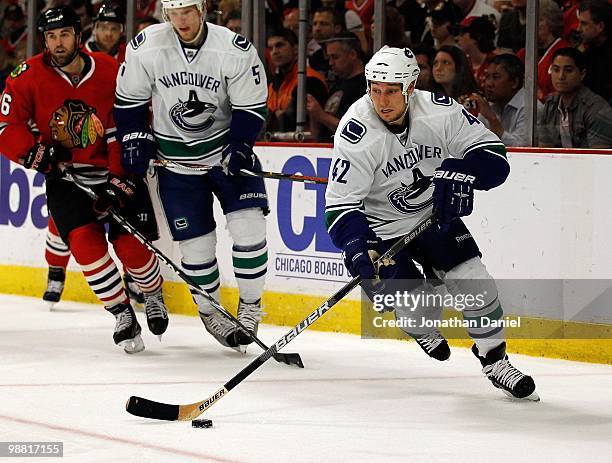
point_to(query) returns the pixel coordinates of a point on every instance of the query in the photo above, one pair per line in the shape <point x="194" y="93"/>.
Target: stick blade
<point x="146" y="408"/>
<point x="289" y="359"/>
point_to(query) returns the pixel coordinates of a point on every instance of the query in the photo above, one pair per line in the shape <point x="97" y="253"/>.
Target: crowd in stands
<point x="470" y="50"/>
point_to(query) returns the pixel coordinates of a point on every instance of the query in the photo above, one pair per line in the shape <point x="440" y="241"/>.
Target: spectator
<point x="346" y="62"/>
<point x="365" y="11"/>
<point x="352" y="21"/>
<point x="424" y="55"/>
<point x="107" y="35"/>
<point x="395" y="34"/>
<point x="445" y="19"/>
<point x="325" y="24"/>
<point x="5" y="67"/>
<point x="477" y="8"/>
<point x="513" y="27"/>
<point x="452" y="73"/>
<point x="145" y="21"/>
<point x="16" y="30"/>
<point x="503" y="110"/>
<point x="291" y="20"/>
<point x="282" y="89"/>
<point x="233" y="21"/>
<point x="415" y="16"/>
<point x="576" y="117"/>
<point x="477" y="40"/>
<point x="550" y="29"/>
<point x="85" y="12"/>
<point x="595" y="26"/>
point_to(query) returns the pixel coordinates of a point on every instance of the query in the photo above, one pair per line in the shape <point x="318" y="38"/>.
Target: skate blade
<point x="51" y="305"/>
<point x="132" y="346"/>
<point x="159" y="337"/>
<point x="533" y="397"/>
<point x="242" y="348"/>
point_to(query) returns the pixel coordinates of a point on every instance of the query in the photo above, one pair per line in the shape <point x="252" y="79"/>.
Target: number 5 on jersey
<point x="341" y="167"/>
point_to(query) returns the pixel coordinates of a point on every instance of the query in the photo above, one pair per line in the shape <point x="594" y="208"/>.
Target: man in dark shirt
<point x="346" y="62"/>
<point x="594" y="26"/>
<point x="575" y="117"/>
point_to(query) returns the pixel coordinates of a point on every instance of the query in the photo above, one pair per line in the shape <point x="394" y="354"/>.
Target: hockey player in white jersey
<point x="398" y="152"/>
<point x="208" y="90"/>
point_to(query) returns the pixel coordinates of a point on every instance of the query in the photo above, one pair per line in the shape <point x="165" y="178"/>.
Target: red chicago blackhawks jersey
<point x="76" y="116"/>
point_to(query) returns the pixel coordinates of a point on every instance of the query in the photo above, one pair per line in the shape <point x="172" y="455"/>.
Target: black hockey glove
<point x="453" y="194"/>
<point x="358" y="258"/>
<point x="137" y="149"/>
<point x="44" y="158"/>
<point x="237" y="155"/>
<point x="115" y="193"/>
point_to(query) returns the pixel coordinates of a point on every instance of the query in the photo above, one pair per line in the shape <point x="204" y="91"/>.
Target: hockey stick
<point x="289" y="359"/>
<point x="146" y="408"/>
<point x="173" y="165"/>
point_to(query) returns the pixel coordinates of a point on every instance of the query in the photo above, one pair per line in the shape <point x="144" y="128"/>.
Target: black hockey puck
<point x="203" y="423"/>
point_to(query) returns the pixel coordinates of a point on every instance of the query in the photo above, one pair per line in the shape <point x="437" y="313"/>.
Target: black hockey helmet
<point x="60" y="16"/>
<point x="110" y="12"/>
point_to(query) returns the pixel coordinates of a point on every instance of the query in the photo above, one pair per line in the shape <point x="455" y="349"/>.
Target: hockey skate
<point x="133" y="291"/>
<point x="127" y="329"/>
<point x="506" y="377"/>
<point x="434" y="345"/>
<point x="156" y="312"/>
<point x="55" y="286"/>
<point x="221" y="328"/>
<point x="249" y="314"/>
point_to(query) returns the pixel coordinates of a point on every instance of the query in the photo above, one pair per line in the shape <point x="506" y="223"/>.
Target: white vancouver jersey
<point x="387" y="176"/>
<point x="193" y="91"/>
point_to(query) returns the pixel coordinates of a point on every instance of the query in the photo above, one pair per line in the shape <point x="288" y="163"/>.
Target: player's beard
<point x="65" y="58"/>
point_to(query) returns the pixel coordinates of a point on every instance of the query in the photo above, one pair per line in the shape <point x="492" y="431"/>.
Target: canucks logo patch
<point x="20" y="69"/>
<point x="241" y="42"/>
<point x="138" y="40"/>
<point x="353" y="131"/>
<point x="193" y="115"/>
<point x="406" y="197"/>
<point x="441" y="99"/>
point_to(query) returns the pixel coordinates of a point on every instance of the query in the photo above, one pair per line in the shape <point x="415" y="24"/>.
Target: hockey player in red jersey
<point x="69" y="95"/>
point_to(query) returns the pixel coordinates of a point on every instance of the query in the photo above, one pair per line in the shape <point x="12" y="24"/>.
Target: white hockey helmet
<point x="393" y="66"/>
<point x="172" y="4"/>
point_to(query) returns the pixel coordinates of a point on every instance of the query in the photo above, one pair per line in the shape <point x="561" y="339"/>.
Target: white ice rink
<point x="63" y="379"/>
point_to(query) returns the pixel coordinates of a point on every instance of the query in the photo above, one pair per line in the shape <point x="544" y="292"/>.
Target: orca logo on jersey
<point x="402" y="198"/>
<point x="193" y="115"/>
<point x="75" y="125"/>
<point x="241" y="42"/>
<point x="353" y="131"/>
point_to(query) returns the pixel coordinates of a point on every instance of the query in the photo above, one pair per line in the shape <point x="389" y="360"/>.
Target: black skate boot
<point x="127" y="330"/>
<point x="55" y="286"/>
<point x="504" y="376"/>
<point x="221" y="328"/>
<point x="249" y="314"/>
<point x="434" y="345"/>
<point x="156" y="312"/>
<point x="133" y="290"/>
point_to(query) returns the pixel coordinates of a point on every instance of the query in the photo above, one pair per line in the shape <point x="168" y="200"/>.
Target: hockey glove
<point x="115" y="193"/>
<point x="358" y="254"/>
<point x="44" y="158"/>
<point x="237" y="155"/>
<point x="137" y="149"/>
<point x="453" y="194"/>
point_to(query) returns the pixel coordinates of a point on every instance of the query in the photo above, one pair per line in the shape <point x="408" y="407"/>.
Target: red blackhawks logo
<point x="75" y="125"/>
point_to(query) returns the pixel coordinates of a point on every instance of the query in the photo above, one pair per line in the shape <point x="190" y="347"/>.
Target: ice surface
<point x="63" y="379"/>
